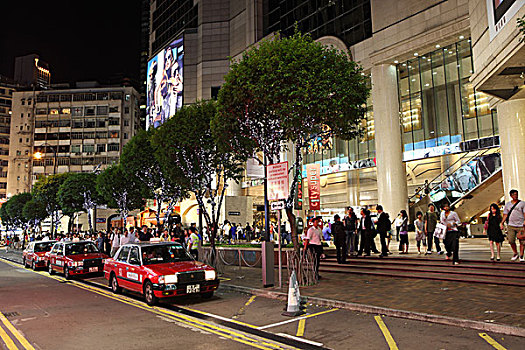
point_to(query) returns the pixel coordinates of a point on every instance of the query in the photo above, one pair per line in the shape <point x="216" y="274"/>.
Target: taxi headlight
<point x="170" y="279"/>
<point x="161" y="279"/>
<point x="210" y="275"/>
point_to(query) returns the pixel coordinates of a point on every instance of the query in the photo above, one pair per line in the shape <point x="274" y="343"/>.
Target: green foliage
<point x="14" y="208"/>
<point x="118" y="190"/>
<point x="4" y="216"/>
<point x="78" y="193"/>
<point x="34" y="211"/>
<point x="46" y="190"/>
<point x="289" y="89"/>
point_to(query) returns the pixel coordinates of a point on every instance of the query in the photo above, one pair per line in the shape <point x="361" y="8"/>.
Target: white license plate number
<point x="193" y="288"/>
<point x="93" y="269"/>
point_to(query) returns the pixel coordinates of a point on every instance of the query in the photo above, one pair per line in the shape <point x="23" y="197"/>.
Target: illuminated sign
<point x="500" y="12"/>
<point x="165" y="84"/>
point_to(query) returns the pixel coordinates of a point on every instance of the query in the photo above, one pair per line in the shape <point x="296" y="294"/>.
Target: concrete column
<point x="234" y="189"/>
<point x="391" y="171"/>
<point x="511" y="120"/>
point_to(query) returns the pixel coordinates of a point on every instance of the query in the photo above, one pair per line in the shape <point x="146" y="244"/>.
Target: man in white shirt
<point x="313" y="242"/>
<point x="125" y="238"/>
<point x="514" y="218"/>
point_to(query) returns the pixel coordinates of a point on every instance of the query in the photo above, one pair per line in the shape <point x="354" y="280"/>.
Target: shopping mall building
<point x="446" y="115"/>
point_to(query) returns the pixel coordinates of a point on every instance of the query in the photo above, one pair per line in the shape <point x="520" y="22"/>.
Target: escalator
<point x="471" y="184"/>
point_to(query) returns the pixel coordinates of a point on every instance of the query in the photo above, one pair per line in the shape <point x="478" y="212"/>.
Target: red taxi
<point x="34" y="255"/>
<point x="159" y="270"/>
<point x="75" y="259"/>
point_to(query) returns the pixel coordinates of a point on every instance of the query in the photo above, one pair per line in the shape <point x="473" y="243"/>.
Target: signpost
<point x="277" y="206"/>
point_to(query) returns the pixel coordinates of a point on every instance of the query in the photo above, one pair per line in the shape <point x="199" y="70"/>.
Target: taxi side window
<point x="55" y="249"/>
<point x="30" y="248"/>
<point x="60" y="249"/>
<point x="123" y="255"/>
<point x="134" y="258"/>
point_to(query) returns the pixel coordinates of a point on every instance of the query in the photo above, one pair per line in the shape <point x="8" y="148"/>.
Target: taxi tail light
<point x="210" y="275"/>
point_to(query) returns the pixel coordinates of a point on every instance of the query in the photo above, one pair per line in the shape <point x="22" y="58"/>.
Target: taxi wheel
<point x="66" y="273"/>
<point x="207" y="295"/>
<point x="114" y="284"/>
<point x="50" y="269"/>
<point x="151" y="299"/>
<point x="24" y="262"/>
<point x="33" y="266"/>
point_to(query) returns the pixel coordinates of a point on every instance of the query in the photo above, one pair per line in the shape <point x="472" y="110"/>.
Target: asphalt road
<point x="51" y="313"/>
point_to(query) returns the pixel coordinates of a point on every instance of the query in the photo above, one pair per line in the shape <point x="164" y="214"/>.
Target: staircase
<point x="469" y="271"/>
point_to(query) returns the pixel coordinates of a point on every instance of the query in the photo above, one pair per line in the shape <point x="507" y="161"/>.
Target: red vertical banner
<point x="313" y="174"/>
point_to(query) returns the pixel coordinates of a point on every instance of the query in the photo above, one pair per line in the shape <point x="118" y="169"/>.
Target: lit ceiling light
<point x="461" y="37"/>
<point x="427" y="84"/>
<point x="396" y="61"/>
<point x="438" y="46"/>
<point x="413" y="79"/>
<point x="404" y="64"/>
<point x="416" y="54"/>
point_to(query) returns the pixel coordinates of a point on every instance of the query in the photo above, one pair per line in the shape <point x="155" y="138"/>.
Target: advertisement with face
<point x="165" y="84"/>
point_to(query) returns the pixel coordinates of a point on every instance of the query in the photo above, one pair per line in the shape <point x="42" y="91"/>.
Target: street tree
<point x="45" y="191"/>
<point x="287" y="92"/>
<point x="138" y="161"/>
<point x="7" y="221"/>
<point x="119" y="191"/>
<point x="188" y="153"/>
<point x="15" y="206"/>
<point x="35" y="212"/>
<point x="78" y="194"/>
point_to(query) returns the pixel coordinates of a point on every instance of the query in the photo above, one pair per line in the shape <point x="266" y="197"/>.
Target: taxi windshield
<point x="164" y="254"/>
<point x="80" y="248"/>
<point x="43" y="247"/>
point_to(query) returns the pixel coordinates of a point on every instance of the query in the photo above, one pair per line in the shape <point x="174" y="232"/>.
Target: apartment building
<point x="6" y="94"/>
<point x="68" y="130"/>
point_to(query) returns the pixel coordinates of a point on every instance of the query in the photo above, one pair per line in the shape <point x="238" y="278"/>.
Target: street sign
<point x="278" y="205"/>
<point x="277" y="175"/>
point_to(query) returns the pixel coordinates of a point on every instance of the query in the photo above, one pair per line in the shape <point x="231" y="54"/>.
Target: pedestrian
<point x="115" y="241"/>
<point x="431" y="220"/>
<point x="397" y="222"/>
<point x="493" y="230"/>
<point x="365" y="230"/>
<point x="192" y="242"/>
<point x="124" y="238"/>
<point x="403" y="232"/>
<point x="100" y="241"/>
<point x="451" y="220"/>
<point x="514" y="218"/>
<point x="350" y="222"/>
<point x="383" y="226"/>
<point x="338" y="230"/>
<point x="419" y="225"/>
<point x="327" y="232"/>
<point x="145" y="235"/>
<point x="249" y="232"/>
<point x="313" y="242"/>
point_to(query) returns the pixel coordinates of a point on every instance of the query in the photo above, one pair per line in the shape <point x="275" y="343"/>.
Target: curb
<point x="369" y="309"/>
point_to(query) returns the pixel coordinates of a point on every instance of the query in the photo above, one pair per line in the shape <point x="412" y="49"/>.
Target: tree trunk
<point x="293" y="229"/>
<point x="90" y="222"/>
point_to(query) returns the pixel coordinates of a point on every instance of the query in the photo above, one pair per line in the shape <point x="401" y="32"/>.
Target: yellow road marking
<point x="386" y="333"/>
<point x="209" y="327"/>
<point x="243" y="309"/>
<point x="491" y="341"/>
<point x="319" y="313"/>
<point x="16" y="333"/>
<point x="300" y="327"/>
<point x="7" y="340"/>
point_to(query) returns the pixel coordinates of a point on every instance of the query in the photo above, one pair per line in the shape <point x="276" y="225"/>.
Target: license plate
<point x="93" y="269"/>
<point x="193" y="288"/>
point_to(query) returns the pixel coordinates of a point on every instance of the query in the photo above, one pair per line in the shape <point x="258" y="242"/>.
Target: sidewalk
<point x="477" y="302"/>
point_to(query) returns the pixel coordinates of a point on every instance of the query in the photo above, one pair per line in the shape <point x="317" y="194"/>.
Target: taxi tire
<point x="207" y="295"/>
<point x="67" y="275"/>
<point x="24" y="262"/>
<point x="113" y="283"/>
<point x="50" y="269"/>
<point x="149" y="295"/>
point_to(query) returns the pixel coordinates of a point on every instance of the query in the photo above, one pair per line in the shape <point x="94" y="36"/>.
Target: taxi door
<point x="60" y="259"/>
<point x="134" y="271"/>
<point x="121" y="267"/>
<point x="53" y="255"/>
<point x="28" y="254"/>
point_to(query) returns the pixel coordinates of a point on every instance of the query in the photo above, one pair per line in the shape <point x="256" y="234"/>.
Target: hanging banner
<point x="313" y="172"/>
<point x="298" y="202"/>
<point x="278" y="187"/>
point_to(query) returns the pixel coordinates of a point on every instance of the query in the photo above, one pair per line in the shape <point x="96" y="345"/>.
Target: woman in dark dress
<point x="493" y="230"/>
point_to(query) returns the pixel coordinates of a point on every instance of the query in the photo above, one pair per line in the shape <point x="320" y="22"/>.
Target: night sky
<point x="80" y="40"/>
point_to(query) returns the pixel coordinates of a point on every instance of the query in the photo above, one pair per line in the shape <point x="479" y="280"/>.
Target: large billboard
<point x="500" y="12"/>
<point x="165" y="84"/>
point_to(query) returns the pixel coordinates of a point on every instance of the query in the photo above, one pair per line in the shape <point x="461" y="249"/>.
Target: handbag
<point x="440" y="231"/>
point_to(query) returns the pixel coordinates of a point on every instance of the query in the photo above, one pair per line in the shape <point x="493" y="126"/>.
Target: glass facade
<point x="350" y="20"/>
<point x="439" y="107"/>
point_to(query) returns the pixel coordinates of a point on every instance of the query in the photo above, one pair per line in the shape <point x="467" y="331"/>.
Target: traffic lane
<point x="55" y="315"/>
<point x="345" y="329"/>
